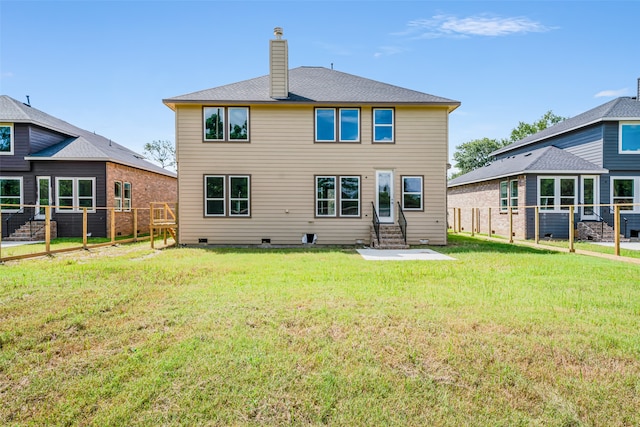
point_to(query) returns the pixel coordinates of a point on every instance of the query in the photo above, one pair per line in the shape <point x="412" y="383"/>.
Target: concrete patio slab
<point x="403" y="255"/>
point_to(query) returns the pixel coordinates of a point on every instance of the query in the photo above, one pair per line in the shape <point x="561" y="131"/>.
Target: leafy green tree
<point x="475" y="154"/>
<point x="162" y="151"/>
<point x="525" y="129"/>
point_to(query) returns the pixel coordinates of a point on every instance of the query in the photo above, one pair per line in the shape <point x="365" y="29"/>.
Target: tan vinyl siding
<point x="279" y="69"/>
<point x="283" y="164"/>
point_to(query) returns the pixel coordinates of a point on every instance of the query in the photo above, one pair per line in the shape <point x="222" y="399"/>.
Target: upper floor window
<point x="75" y="194"/>
<point x="508" y="195"/>
<point x="383" y="125"/>
<point x="226" y="123"/>
<point x="342" y="122"/>
<point x="629" y="137"/>
<point x="6" y="138"/>
<point x="556" y="193"/>
<point x="626" y="190"/>
<point x="11" y="193"/>
<point x="412" y="193"/>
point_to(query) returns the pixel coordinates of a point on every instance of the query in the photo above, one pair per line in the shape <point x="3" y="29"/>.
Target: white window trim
<point x="224" y="197"/>
<point x="19" y="178"/>
<point x="339" y="208"/>
<point x="620" y="150"/>
<point x="75" y="208"/>
<point x="11" y="140"/>
<point x="336" y="188"/>
<point x="636" y="192"/>
<point x="511" y="198"/>
<point x="118" y="200"/>
<point x="126" y="207"/>
<point x="340" y="110"/>
<point x="556" y="193"/>
<point x="248" y="198"/>
<point x="228" y="127"/>
<point x="413" y="192"/>
<point x="392" y="126"/>
<point x="335" y="126"/>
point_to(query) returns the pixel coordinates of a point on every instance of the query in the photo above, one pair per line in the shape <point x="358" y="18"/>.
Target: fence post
<point x="489" y="224"/>
<point x="0" y="233"/>
<point x="459" y="219"/>
<point x="537" y="225"/>
<point x="84" y="228"/>
<point x="571" y="229"/>
<point x="510" y="225"/>
<point x="135" y="224"/>
<point x="151" y="231"/>
<point x="455" y="220"/>
<point x="47" y="229"/>
<point x="113" y="226"/>
<point x="473" y="221"/>
<point x="616" y="228"/>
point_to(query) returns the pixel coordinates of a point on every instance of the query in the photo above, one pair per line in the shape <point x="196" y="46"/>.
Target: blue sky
<point x="105" y="66"/>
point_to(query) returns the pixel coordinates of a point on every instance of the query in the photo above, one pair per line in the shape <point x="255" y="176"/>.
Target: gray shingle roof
<point x="81" y="144"/>
<point x="315" y="84"/>
<point x="543" y="160"/>
<point x="620" y="108"/>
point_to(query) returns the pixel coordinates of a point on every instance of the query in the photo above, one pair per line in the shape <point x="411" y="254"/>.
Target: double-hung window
<point x="117" y="193"/>
<point x="509" y="195"/>
<point x="626" y="190"/>
<point x="383" y="125"/>
<point x="329" y="188"/>
<point x="556" y="193"/>
<point x="412" y="193"/>
<point x="227" y="195"/>
<point x="11" y="193"/>
<point x="342" y="124"/>
<point x="226" y="124"/>
<point x="629" y="137"/>
<point x="75" y="194"/>
<point x="122" y="194"/>
<point x="6" y="139"/>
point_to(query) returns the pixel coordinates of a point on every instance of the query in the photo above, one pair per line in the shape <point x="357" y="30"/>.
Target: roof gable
<point x="81" y="144"/>
<point x="543" y="160"/>
<point x="624" y="108"/>
<point x="315" y="85"/>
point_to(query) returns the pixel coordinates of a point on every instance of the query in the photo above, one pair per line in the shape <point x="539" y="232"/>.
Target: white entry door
<point x="384" y="196"/>
<point x="590" y="193"/>
<point x="44" y="195"/>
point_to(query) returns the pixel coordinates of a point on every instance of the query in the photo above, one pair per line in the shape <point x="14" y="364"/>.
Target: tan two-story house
<point x="310" y="155"/>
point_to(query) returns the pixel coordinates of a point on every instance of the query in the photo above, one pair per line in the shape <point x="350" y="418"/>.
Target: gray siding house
<point x="591" y="160"/>
<point x="45" y="161"/>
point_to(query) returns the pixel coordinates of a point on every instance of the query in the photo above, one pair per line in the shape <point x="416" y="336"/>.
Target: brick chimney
<point x="278" y="66"/>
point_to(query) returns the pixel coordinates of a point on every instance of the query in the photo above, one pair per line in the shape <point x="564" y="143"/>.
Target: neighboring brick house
<point x="45" y="161"/>
<point x="590" y="161"/>
<point x="310" y="155"/>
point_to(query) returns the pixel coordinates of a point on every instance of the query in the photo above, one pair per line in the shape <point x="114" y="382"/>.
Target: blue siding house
<point x="591" y="161"/>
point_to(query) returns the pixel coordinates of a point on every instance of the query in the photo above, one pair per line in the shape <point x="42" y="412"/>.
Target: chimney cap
<point x="277" y="31"/>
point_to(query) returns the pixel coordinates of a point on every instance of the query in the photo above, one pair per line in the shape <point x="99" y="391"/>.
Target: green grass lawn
<point x="503" y="336"/>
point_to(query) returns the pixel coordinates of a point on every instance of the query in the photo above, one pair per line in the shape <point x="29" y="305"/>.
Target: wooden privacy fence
<point x="158" y="218"/>
<point x="473" y="215"/>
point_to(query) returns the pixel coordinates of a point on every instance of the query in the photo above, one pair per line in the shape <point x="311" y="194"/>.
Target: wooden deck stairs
<point x="163" y="220"/>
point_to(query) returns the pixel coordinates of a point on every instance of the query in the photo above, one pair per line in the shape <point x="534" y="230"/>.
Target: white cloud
<point x="389" y="50"/>
<point x="482" y="25"/>
<point x="611" y="93"/>
<point x="6" y="75"/>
